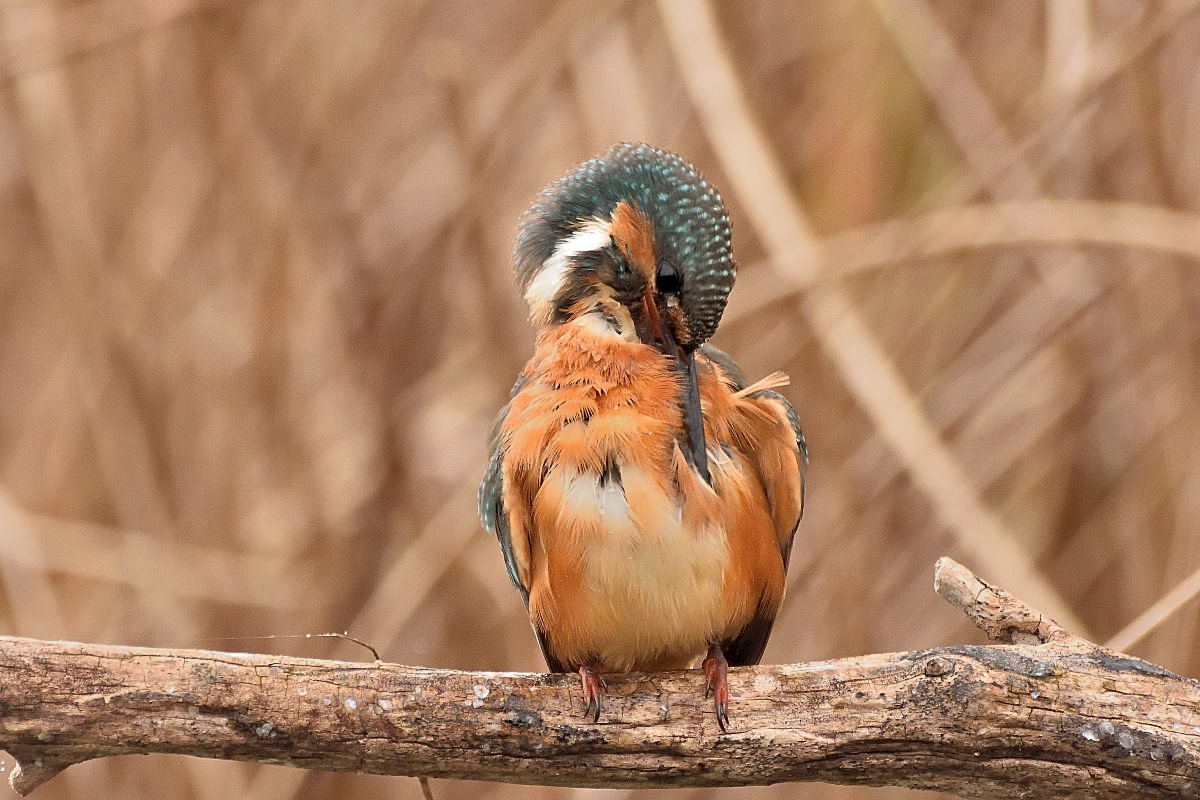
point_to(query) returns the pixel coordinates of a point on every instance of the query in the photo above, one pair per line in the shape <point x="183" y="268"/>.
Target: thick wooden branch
<point x="1049" y="715"/>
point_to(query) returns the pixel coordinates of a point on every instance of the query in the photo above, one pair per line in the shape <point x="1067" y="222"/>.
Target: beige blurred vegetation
<point x="256" y="314"/>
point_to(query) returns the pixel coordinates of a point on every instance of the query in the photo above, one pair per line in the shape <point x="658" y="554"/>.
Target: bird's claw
<point x="723" y="717"/>
<point x="593" y="691"/>
<point x="716" y="684"/>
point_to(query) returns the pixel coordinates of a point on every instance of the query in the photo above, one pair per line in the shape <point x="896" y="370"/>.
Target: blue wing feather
<point x="491" y="497"/>
<point x="495" y="519"/>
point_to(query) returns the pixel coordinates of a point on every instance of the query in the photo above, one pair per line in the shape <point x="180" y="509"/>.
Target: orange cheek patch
<point x="633" y="234"/>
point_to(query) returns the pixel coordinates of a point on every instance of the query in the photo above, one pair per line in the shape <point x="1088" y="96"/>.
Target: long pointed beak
<point x="654" y="321"/>
<point x="693" y="420"/>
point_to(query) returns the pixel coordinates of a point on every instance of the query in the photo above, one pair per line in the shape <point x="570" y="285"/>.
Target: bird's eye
<point x="667" y="280"/>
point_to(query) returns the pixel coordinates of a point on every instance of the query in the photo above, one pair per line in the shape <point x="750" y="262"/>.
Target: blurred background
<point x="256" y="315"/>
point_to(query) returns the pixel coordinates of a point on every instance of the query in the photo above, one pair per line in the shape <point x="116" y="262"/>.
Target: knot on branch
<point x="1045" y="714"/>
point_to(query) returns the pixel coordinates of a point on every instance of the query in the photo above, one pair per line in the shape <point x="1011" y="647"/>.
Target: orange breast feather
<point x="628" y="556"/>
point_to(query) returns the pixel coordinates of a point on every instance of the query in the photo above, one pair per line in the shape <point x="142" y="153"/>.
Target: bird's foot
<point x="593" y="689"/>
<point x="716" y="683"/>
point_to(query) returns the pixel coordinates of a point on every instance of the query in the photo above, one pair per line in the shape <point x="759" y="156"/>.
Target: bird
<point x="645" y="494"/>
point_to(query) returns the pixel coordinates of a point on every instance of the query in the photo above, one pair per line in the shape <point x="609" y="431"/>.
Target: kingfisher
<point x="645" y="494"/>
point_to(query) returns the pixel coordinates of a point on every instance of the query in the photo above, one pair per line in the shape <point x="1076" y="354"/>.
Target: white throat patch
<point x="608" y="323"/>
<point x="592" y="235"/>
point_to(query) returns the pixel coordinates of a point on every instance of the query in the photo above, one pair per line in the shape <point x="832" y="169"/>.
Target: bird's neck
<point x="601" y="317"/>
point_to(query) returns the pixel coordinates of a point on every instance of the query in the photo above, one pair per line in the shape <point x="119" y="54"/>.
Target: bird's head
<point x="638" y="236"/>
<point x="637" y="229"/>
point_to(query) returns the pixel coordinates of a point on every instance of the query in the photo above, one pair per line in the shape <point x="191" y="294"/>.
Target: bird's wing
<point x="491" y="503"/>
<point x="510" y="525"/>
<point x="777" y="447"/>
<point x="784" y="466"/>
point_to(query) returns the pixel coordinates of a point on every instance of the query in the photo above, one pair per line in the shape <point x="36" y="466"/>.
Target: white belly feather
<point x="654" y="587"/>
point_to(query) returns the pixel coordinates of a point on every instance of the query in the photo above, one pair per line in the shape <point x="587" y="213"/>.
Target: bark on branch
<point x="1045" y="715"/>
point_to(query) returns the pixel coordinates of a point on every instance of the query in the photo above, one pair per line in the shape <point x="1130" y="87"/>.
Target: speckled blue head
<point x="688" y="220"/>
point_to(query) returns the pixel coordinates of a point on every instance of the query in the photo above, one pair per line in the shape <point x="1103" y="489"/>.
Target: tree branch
<point x="1048" y="715"/>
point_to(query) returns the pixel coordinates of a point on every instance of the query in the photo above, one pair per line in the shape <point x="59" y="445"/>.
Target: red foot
<point x="716" y="677"/>
<point x="593" y="689"/>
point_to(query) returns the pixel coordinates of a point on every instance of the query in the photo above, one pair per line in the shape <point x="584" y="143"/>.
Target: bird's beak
<point x="693" y="421"/>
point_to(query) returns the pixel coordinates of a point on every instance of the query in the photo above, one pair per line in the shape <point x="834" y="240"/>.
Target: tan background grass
<point x="256" y="314"/>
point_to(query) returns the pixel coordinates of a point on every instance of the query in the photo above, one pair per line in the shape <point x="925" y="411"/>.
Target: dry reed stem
<point x="255" y="306"/>
<point x="866" y="369"/>
<point x="1145" y="623"/>
<point x="1037" y="221"/>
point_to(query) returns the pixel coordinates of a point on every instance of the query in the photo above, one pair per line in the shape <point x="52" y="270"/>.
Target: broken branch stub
<point x="1049" y="715"/>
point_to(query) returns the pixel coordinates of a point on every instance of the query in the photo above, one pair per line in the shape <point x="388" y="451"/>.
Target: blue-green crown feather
<point x="691" y="227"/>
